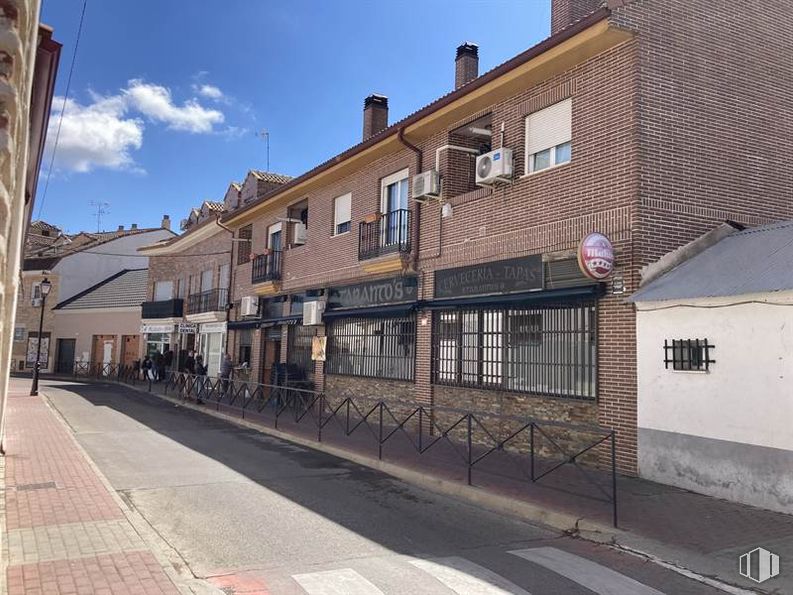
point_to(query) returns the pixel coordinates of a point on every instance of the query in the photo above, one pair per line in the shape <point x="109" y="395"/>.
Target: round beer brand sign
<point x="596" y="256"/>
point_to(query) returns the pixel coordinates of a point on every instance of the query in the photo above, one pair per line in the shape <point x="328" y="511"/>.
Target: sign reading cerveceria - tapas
<point x="503" y="276"/>
<point x="388" y="291"/>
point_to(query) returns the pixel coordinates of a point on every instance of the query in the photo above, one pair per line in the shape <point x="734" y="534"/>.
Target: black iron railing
<point x="387" y="234"/>
<point x="536" y="448"/>
<point x="163" y="309"/>
<point x="266" y="267"/>
<point x="214" y="300"/>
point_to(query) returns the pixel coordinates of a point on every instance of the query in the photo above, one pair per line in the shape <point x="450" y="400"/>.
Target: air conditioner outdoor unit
<point x="312" y="312"/>
<point x="249" y="305"/>
<point x="300" y="234"/>
<point x="426" y="185"/>
<point x="495" y="166"/>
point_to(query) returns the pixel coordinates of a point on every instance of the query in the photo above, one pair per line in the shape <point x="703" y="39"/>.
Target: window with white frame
<point x="163" y="290"/>
<point x="342" y="208"/>
<point x="549" y="134"/>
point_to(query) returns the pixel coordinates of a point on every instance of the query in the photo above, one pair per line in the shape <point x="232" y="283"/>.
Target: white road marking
<point x="344" y="581"/>
<point x="466" y="578"/>
<point x="586" y="573"/>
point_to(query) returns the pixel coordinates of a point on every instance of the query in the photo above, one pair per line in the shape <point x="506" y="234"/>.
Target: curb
<point x="169" y="559"/>
<point x="560" y="521"/>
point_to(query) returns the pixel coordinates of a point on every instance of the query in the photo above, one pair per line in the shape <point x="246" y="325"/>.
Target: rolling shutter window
<point x="342" y="212"/>
<point x="549" y="127"/>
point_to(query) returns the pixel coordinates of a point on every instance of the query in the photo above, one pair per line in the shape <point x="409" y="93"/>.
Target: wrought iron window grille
<point x="688" y="354"/>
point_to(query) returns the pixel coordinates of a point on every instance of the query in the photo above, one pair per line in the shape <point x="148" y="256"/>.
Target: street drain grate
<point x="36" y="486"/>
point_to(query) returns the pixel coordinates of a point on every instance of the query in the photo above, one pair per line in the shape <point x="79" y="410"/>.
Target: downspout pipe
<point x="417" y="222"/>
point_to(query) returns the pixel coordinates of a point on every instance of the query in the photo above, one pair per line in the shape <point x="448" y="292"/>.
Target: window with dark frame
<point x="550" y="349"/>
<point x="688" y="354"/>
<point x="245" y="346"/>
<point x="298" y="351"/>
<point x="244" y="247"/>
<point x="372" y="347"/>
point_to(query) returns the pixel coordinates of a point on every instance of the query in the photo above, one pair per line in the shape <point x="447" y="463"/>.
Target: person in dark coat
<point x="159" y="366"/>
<point x="146" y="366"/>
<point x="167" y="361"/>
<point x="189" y="363"/>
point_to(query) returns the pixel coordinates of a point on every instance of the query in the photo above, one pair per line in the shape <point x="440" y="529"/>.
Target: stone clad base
<point x="754" y="475"/>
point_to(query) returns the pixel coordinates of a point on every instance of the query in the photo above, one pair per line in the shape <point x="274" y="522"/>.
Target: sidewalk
<point x="63" y="532"/>
<point x="684" y="529"/>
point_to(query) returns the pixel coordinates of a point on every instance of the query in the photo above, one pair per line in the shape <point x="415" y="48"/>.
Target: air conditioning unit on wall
<point x="426" y="185"/>
<point x="249" y="305"/>
<point x="312" y="312"/>
<point x="495" y="166"/>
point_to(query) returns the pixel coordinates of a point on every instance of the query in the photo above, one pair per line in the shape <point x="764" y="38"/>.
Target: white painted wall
<point x="747" y="396"/>
<point x="84" y="269"/>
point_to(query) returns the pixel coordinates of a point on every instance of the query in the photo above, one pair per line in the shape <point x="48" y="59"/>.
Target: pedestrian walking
<point x="189" y="363"/>
<point x="146" y="366"/>
<point x="159" y="366"/>
<point x="167" y="361"/>
<point x="200" y="371"/>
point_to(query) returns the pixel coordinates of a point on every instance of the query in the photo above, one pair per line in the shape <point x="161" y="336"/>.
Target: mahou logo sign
<point x="596" y="256"/>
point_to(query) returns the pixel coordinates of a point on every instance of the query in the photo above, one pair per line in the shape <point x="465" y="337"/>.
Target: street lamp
<point x="44" y="288"/>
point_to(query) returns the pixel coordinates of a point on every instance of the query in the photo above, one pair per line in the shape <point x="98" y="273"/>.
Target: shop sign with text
<point x="374" y="293"/>
<point x="503" y="276"/>
<point x="596" y="256"/>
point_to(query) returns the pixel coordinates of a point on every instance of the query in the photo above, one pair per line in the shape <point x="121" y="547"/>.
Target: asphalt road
<point x="253" y="514"/>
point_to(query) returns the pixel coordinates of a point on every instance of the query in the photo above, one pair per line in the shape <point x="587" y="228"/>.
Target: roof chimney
<point x="375" y="115"/>
<point x="134" y="226"/>
<point x="166" y="222"/>
<point x="566" y="12"/>
<point x="466" y="64"/>
<point x="121" y="228"/>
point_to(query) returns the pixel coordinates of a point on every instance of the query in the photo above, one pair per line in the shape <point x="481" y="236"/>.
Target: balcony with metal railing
<point x="388" y="234"/>
<point x="162" y="309"/>
<point x="267" y="267"/>
<point x="214" y="300"/>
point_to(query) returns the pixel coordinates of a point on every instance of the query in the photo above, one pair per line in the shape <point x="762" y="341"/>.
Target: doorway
<point x="103" y="349"/>
<point x="271" y="354"/>
<point x="65" y="356"/>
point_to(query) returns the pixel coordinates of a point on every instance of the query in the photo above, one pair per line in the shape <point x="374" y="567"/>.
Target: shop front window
<point x="374" y="347"/>
<point x="549" y="349"/>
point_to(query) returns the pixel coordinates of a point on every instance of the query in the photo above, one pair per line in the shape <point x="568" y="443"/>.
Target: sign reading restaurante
<point x="388" y="291"/>
<point x="503" y="276"/>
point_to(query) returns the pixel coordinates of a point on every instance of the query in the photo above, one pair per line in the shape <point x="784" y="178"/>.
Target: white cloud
<point x="105" y="132"/>
<point x="155" y="102"/>
<point x="209" y="91"/>
<point x="96" y="135"/>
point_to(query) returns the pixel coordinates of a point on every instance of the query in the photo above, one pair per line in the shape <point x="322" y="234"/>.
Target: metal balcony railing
<point x="389" y="233"/>
<point x="214" y="300"/>
<point x="266" y="267"/>
<point x="162" y="309"/>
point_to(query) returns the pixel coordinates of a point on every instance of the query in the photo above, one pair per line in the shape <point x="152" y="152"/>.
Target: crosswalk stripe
<point x="467" y="578"/>
<point x="344" y="581"/>
<point x="586" y="573"/>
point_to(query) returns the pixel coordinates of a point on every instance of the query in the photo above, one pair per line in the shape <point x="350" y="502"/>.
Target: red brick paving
<point x="50" y="483"/>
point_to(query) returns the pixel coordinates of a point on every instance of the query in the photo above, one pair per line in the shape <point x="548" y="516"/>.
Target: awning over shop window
<point x="525" y="297"/>
<point x="238" y="325"/>
<point x="392" y="310"/>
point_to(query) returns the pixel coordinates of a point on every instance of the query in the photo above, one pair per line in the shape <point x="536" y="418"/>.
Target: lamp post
<point x="44" y="288"/>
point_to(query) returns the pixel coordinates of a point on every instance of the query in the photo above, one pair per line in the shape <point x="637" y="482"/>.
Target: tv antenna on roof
<point x="265" y="134"/>
<point x="102" y="208"/>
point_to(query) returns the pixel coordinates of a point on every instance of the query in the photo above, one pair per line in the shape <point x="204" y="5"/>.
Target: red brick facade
<point x="674" y="129"/>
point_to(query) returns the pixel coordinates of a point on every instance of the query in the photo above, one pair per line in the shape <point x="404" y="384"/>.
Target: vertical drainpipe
<point x="231" y="284"/>
<point x="417" y="222"/>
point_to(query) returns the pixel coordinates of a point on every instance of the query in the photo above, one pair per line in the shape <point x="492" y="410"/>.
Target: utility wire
<point x="63" y="109"/>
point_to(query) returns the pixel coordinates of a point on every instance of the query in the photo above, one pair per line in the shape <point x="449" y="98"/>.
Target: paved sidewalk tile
<point x="64" y="531"/>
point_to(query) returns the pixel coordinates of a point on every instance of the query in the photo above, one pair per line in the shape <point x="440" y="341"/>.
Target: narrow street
<point x="253" y="514"/>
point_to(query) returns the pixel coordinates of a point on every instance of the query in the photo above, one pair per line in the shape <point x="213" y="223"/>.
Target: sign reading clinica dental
<point x="503" y="276"/>
<point x="375" y="293"/>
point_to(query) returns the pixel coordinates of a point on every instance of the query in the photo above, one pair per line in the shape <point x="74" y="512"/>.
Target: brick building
<point x="647" y="121"/>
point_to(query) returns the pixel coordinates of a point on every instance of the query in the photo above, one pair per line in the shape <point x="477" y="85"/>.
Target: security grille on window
<point x="342" y="209"/>
<point x="549" y="349"/>
<point x="374" y="347"/>
<point x="688" y="354"/>
<point x="548" y="136"/>
<point x="244" y="247"/>
<point x="298" y="352"/>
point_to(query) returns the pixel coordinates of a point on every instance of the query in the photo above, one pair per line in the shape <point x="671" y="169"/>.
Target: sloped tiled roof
<point x="40" y="264"/>
<point x="43" y="226"/>
<point x="754" y="260"/>
<point x="218" y="207"/>
<point x="268" y="176"/>
<point x="124" y="289"/>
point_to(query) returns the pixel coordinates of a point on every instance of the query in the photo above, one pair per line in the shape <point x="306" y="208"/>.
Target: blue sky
<point x="167" y="95"/>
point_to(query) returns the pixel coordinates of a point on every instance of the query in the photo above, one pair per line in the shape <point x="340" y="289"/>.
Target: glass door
<point x="394" y="224"/>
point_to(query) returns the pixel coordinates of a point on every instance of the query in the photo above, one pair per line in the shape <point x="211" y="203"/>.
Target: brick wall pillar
<point x="423" y="391"/>
<point x="567" y="12"/>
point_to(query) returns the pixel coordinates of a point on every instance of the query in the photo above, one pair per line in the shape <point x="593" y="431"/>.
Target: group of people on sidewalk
<point x="156" y="366"/>
<point x="194" y="365"/>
